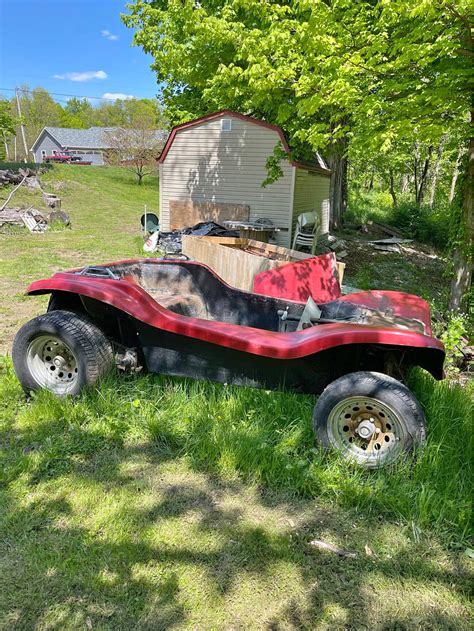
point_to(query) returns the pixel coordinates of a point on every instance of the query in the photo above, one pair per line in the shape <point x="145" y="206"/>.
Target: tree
<point x="7" y="125"/>
<point x="137" y="149"/>
<point x="77" y="113"/>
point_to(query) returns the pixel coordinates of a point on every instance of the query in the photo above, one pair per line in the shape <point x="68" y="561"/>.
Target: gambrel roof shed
<point x="218" y="161"/>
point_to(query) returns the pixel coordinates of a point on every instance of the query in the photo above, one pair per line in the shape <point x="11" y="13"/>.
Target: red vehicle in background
<point x="64" y="157"/>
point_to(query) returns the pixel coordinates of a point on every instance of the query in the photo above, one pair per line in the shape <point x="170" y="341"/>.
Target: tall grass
<point x="258" y="436"/>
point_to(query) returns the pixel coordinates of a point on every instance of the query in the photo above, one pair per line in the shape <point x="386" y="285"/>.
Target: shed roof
<point x="317" y="164"/>
<point x="92" y="138"/>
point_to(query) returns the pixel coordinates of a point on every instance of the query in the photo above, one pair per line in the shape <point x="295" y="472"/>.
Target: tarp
<point x="170" y="242"/>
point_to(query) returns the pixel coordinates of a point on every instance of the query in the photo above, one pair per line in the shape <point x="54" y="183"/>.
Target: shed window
<point x="226" y="124"/>
<point x="43" y="153"/>
<point x="55" y="152"/>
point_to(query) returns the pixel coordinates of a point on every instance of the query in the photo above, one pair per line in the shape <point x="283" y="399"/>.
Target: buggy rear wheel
<point x="370" y="418"/>
<point x="62" y="352"/>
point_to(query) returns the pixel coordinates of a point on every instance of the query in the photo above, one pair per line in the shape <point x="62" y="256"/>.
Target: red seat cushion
<point x="316" y="277"/>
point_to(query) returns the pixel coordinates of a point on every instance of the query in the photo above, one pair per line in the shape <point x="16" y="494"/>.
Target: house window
<point x="226" y="124"/>
<point x="43" y="153"/>
<point x="54" y="152"/>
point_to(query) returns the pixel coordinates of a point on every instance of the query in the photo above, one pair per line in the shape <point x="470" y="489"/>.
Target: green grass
<point x="153" y="502"/>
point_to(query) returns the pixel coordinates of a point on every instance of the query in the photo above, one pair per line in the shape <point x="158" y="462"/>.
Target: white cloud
<point x="82" y="76"/>
<point x="107" y="34"/>
<point x="118" y="95"/>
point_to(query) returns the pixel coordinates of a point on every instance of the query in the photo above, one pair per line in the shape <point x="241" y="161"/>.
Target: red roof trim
<point x="209" y="117"/>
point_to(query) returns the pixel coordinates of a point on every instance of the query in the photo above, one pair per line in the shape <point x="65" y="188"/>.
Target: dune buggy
<point x="179" y="318"/>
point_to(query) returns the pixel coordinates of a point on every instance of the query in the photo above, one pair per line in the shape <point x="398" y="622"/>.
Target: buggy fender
<point x="131" y="299"/>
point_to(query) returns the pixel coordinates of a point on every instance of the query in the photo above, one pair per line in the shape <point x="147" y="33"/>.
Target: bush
<point x="428" y="225"/>
<point x="364" y="205"/>
<point x="16" y="166"/>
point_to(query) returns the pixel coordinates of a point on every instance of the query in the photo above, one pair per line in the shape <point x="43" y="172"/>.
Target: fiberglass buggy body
<point x="179" y="318"/>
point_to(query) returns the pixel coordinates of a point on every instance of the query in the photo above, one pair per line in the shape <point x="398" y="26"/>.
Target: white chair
<point x="307" y="231"/>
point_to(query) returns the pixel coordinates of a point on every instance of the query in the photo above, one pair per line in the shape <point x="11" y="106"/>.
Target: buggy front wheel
<point x="62" y="352"/>
<point x="371" y="418"/>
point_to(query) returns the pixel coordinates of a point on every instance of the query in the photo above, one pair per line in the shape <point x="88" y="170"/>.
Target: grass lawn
<point x="155" y="503"/>
<point x="105" y="206"/>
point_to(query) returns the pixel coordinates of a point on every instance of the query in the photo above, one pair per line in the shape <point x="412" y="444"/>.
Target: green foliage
<point x="368" y="71"/>
<point x="7" y="122"/>
<point x="427" y="225"/>
<point x="273" y="165"/>
<point x="365" y="205"/>
<point x="422" y="223"/>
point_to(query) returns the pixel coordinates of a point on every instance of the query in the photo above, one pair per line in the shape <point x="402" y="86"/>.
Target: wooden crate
<point x="237" y="260"/>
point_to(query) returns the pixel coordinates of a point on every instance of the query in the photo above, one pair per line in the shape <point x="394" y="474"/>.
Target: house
<point x="89" y="144"/>
<point x="213" y="168"/>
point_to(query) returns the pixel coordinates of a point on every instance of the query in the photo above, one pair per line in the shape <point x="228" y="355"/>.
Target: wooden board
<point x="184" y="214"/>
<point x="238" y="261"/>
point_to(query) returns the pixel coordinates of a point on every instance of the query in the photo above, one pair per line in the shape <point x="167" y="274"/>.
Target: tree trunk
<point x="420" y="191"/>
<point x="369" y="185"/>
<point x="463" y="252"/>
<point x="404" y="184"/>
<point x="454" y="178"/>
<point x="337" y="189"/>
<point x="392" y="188"/>
<point x="434" y="178"/>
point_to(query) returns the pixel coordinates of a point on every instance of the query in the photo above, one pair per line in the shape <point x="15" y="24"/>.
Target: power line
<point x="76" y="96"/>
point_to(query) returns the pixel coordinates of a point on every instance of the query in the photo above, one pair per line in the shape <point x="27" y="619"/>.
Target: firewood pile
<point x="31" y="218"/>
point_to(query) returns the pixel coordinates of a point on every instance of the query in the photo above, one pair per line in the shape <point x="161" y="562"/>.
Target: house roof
<point x="92" y="138"/>
<point x="317" y="164"/>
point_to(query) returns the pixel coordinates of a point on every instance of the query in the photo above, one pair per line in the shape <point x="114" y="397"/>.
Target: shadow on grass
<point x="109" y="518"/>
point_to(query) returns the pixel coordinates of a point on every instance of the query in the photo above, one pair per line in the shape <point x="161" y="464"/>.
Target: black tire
<point x="85" y="351"/>
<point x="370" y="417"/>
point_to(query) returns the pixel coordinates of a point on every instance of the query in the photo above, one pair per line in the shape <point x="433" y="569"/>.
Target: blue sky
<point x="76" y="47"/>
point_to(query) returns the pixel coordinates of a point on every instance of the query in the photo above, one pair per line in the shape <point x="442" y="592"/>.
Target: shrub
<point x="16" y="166"/>
<point x="428" y="225"/>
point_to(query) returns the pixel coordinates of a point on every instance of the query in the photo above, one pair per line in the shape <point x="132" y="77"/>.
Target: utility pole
<point x="22" y="127"/>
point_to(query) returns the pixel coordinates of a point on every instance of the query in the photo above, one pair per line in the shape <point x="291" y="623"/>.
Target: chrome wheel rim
<point x="366" y="430"/>
<point x="52" y="364"/>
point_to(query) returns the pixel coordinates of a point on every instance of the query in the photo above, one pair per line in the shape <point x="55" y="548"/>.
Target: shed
<point x="213" y="168"/>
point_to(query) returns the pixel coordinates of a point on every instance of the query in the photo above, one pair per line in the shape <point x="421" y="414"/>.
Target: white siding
<point x="207" y="164"/>
<point x="311" y="193"/>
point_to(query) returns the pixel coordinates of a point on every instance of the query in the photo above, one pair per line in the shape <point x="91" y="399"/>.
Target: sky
<point x="71" y="47"/>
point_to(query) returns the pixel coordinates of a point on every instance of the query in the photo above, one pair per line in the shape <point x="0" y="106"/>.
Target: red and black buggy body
<point x="184" y="320"/>
<point x="179" y="318"/>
